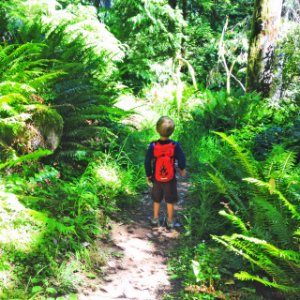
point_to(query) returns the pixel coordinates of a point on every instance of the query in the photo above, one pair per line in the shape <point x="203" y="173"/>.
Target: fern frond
<point x="13" y="97"/>
<point x="46" y="78"/>
<point x="226" y="241"/>
<point x="219" y="183"/>
<point x="16" y="53"/>
<point x="54" y="225"/>
<point x="235" y="220"/>
<point x="25" y="158"/>
<point x="253" y="250"/>
<point x="245" y="276"/>
<point x="74" y="154"/>
<point x="241" y="154"/>
<point x="280" y="164"/>
<point x="270" y="221"/>
<point x="226" y="189"/>
<point x="285" y="202"/>
<point x="10" y="86"/>
<point x="286" y="255"/>
<point x="289" y="161"/>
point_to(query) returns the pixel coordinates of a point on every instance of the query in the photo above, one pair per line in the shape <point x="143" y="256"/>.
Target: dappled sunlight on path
<point x="139" y="270"/>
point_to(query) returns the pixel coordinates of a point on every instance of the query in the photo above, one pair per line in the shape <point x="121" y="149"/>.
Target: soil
<point x="137" y="256"/>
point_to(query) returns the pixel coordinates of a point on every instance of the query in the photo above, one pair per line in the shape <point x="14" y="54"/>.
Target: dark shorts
<point x="164" y="190"/>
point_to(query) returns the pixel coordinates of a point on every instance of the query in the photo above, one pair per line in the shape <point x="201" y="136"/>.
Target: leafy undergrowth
<point x="244" y="200"/>
<point x="48" y="218"/>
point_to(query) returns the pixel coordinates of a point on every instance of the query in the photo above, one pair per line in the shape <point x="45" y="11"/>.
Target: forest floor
<point x="137" y="255"/>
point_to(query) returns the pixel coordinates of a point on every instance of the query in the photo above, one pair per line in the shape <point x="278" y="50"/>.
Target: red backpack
<point x="164" y="161"/>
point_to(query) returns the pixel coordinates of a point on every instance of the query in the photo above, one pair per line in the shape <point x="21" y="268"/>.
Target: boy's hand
<point x="149" y="181"/>
<point x="182" y="172"/>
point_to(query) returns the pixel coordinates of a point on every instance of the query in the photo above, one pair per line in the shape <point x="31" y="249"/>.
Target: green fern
<point x="236" y="221"/>
<point x="281" y="197"/>
<point x="12" y="98"/>
<point x="54" y="226"/>
<point x="24" y="77"/>
<point x="44" y="79"/>
<point x="154" y="35"/>
<point x="287" y="255"/>
<point x="270" y="221"/>
<point x="268" y="241"/>
<point x="86" y="95"/>
<point x="226" y="189"/>
<point x="280" y="164"/>
<point x="26" y="158"/>
<point x="282" y="265"/>
<point x="245" y="276"/>
<point x="241" y="154"/>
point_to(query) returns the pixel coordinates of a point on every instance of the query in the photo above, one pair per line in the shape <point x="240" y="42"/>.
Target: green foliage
<point x="282" y="266"/>
<point x="86" y="55"/>
<point x="65" y="206"/>
<point x="203" y="271"/>
<point x="23" y="74"/>
<point x="198" y="265"/>
<point x="218" y="111"/>
<point x="86" y="96"/>
<point x="205" y="23"/>
<point x="24" y="81"/>
<point x="59" y="217"/>
<point x="260" y="220"/>
<point x="60" y="54"/>
<point x="240" y="154"/>
<point x="152" y="31"/>
<point x="25" y="158"/>
<point x="270" y="226"/>
<point x="289" y="49"/>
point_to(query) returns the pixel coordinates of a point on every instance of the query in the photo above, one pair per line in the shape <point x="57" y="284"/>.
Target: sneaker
<point x="170" y="225"/>
<point x="155" y="222"/>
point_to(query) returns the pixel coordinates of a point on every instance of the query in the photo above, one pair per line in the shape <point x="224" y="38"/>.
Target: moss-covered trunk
<point x="264" y="35"/>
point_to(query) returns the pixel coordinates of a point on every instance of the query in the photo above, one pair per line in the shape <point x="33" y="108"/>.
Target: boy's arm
<point x="148" y="162"/>
<point x="179" y="155"/>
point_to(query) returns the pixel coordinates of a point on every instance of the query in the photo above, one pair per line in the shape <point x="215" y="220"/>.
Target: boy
<point x="160" y="169"/>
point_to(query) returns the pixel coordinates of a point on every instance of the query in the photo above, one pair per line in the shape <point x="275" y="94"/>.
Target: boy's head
<point x="165" y="126"/>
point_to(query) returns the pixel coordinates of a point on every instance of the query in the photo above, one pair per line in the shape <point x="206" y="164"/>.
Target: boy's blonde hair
<point x="165" y="126"/>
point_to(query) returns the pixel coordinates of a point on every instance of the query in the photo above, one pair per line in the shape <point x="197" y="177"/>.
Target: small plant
<point x="204" y="267"/>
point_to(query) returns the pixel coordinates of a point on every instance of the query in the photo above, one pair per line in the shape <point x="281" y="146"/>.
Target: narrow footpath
<point x="138" y="256"/>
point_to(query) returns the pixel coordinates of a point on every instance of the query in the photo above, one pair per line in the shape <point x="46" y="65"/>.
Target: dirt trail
<point x="137" y="267"/>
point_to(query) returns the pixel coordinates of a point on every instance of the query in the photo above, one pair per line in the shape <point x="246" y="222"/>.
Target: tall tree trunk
<point x="184" y="9"/>
<point x="96" y="3"/>
<point x="185" y="17"/>
<point x="173" y="3"/>
<point x="102" y="3"/>
<point x="265" y="29"/>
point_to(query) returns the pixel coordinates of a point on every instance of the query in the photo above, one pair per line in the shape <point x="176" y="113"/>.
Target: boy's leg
<point x="170" y="210"/>
<point x="170" y="197"/>
<point x="157" y="196"/>
<point x="156" y="206"/>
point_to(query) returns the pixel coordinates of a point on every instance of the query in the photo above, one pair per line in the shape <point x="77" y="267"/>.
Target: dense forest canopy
<point x="73" y="75"/>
